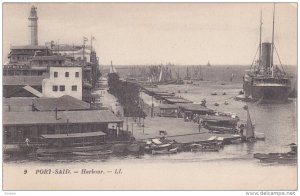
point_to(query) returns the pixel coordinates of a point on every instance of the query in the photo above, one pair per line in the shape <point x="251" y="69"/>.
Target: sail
<point x="112" y="69"/>
<point x="160" y="75"/>
<point x="249" y="127"/>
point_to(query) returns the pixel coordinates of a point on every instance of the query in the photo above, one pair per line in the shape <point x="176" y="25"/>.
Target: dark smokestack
<point x="266" y="55"/>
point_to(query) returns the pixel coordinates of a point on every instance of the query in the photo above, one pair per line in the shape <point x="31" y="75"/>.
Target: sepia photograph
<point x="150" y="96"/>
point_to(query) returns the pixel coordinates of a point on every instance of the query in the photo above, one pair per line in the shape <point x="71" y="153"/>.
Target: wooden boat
<point x="220" y="129"/>
<point x="276" y="157"/>
<point x="133" y="148"/>
<point x="284" y="158"/>
<point x="165" y="151"/>
<point x="119" y="148"/>
<point x="66" y="150"/>
<point x="234" y="139"/>
<point x="6" y="156"/>
<point x="46" y="158"/>
<point x="95" y="153"/>
<point x="204" y="148"/>
<point x="64" y="146"/>
<point x="250" y="133"/>
<point x="214" y="93"/>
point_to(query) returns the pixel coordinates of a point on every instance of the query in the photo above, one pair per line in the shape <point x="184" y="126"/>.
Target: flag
<point x="85" y="39"/>
<point x="93" y="38"/>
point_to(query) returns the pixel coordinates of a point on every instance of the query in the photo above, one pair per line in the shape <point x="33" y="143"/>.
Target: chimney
<point x="266" y="55"/>
<point x="33" y="27"/>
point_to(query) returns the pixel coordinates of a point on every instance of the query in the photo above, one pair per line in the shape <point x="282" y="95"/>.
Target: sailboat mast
<point x="272" y="55"/>
<point x="260" y="32"/>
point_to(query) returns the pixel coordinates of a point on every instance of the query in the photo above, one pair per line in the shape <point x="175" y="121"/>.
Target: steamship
<point x="266" y="81"/>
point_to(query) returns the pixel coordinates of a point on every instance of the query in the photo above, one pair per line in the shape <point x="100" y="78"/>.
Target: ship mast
<point x="272" y="55"/>
<point x="260" y="32"/>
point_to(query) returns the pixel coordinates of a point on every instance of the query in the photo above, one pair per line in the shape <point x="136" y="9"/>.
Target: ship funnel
<point x="266" y="55"/>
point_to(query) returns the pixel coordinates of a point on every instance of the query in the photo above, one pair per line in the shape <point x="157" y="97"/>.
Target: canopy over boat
<point x="72" y="135"/>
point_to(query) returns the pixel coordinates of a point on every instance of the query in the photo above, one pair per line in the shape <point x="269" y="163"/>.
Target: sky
<point x="155" y="33"/>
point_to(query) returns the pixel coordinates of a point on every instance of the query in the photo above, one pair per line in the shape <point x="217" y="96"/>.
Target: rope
<point x="254" y="57"/>
<point x="279" y="59"/>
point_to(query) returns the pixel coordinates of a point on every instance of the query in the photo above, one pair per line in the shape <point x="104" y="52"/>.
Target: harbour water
<point x="234" y="164"/>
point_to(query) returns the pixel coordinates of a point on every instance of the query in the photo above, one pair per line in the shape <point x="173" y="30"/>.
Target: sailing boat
<point x="112" y="69"/>
<point x="208" y="64"/>
<point x="250" y="135"/>
<point x="160" y="75"/>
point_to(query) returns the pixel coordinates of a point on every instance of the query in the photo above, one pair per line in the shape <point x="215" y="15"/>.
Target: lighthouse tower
<point x="33" y="27"/>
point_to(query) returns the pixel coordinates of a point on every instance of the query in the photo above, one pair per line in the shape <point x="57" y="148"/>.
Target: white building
<point x="66" y="80"/>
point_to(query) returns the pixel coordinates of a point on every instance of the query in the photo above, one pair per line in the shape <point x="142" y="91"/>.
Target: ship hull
<point x="267" y="92"/>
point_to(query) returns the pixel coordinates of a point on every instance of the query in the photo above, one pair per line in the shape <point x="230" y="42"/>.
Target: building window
<point x="66" y="74"/>
<point x="55" y="74"/>
<point x="62" y="88"/>
<point x="77" y="74"/>
<point x="74" y="88"/>
<point x="54" y="88"/>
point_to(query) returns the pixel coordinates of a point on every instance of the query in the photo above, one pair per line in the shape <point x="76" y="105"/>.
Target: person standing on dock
<point x="199" y="127"/>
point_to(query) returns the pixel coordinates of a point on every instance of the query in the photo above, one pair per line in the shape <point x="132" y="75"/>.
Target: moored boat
<point x="284" y="158"/>
<point x="94" y="153"/>
<point x="204" y="148"/>
<point x="133" y="148"/>
<point x="165" y="151"/>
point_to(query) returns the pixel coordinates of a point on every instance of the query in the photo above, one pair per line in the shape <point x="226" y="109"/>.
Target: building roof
<point x="33" y="91"/>
<point x="168" y="106"/>
<point x="23" y="80"/>
<point x="73" y="135"/>
<point x="63" y="103"/>
<point x="67" y="47"/>
<point x="28" y="47"/>
<point x="17" y="104"/>
<point x="194" y="107"/>
<point x="46" y="118"/>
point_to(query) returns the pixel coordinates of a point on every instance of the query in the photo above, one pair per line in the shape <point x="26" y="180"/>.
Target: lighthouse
<point x="33" y="27"/>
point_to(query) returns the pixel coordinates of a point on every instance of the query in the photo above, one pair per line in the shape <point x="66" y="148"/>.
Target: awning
<point x="73" y="135"/>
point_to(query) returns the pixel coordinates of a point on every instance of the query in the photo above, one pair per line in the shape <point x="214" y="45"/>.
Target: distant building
<point x="26" y="53"/>
<point x="76" y="52"/>
<point x="47" y="61"/>
<point x="64" y="80"/>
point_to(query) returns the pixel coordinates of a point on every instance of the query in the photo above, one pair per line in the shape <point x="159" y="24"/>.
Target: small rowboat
<point x="165" y="151"/>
